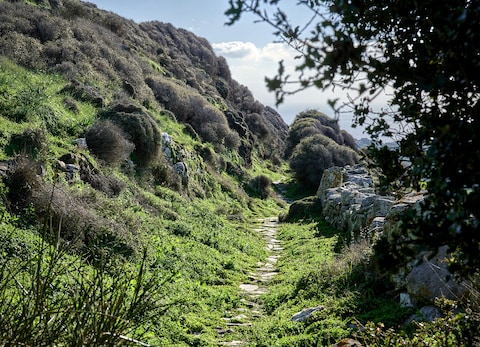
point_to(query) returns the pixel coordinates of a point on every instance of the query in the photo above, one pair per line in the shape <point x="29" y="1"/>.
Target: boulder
<point x="431" y="279"/>
<point x="331" y="178"/>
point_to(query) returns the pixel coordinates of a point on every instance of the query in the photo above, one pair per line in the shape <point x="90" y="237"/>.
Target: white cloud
<point x="235" y="49"/>
<point x="250" y="65"/>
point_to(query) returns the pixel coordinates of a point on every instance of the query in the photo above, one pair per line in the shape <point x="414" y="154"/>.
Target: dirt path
<point x="255" y="286"/>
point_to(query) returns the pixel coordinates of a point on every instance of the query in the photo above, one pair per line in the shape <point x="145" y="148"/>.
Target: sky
<point x="248" y="46"/>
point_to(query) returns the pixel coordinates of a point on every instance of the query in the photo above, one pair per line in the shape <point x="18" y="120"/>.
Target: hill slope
<point x="131" y="164"/>
<point x="110" y="59"/>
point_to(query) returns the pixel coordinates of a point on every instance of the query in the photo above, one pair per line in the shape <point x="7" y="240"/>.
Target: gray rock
<point x="431" y="279"/>
<point x="425" y="314"/>
<point x="303" y="315"/>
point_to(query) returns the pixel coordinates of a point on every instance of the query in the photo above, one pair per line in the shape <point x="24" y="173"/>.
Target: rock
<point x="425" y="314"/>
<point x="349" y="201"/>
<point x="303" y="315"/>
<point x="431" y="279"/>
<point x="347" y="343"/>
<point x="81" y="143"/>
<point x="5" y="167"/>
<point x="405" y="300"/>
<point x="181" y="169"/>
<point x="332" y="178"/>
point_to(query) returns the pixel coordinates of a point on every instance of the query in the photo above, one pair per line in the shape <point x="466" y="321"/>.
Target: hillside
<point x="107" y="59"/>
<point x="132" y="166"/>
<point x="137" y="203"/>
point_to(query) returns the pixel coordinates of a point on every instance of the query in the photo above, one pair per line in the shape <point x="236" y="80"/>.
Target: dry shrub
<point x="259" y="187"/>
<point x="71" y="218"/>
<point x="84" y="92"/>
<point x="192" y="108"/>
<point x="348" y="140"/>
<point x="164" y="175"/>
<point x="109" y="185"/>
<point x="142" y="130"/>
<point x="21" y="182"/>
<point x="32" y="142"/>
<point x="109" y="143"/>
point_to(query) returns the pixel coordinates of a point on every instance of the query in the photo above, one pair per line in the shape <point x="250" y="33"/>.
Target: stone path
<point x="255" y="286"/>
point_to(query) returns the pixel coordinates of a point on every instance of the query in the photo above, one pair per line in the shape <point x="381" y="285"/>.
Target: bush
<point x="22" y="183"/>
<point x="32" y="142"/>
<point x="74" y="220"/>
<point x="109" y="143"/>
<point x="142" y="130"/>
<point x="192" y="108"/>
<point x="316" y="153"/>
<point x="312" y="122"/>
<point x="308" y="208"/>
<point x="164" y="174"/>
<point x="109" y="185"/>
<point x="259" y="187"/>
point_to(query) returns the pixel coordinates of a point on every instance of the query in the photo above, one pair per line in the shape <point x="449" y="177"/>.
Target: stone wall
<point x="349" y="202"/>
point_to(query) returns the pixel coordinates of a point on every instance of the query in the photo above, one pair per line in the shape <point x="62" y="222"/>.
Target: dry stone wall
<point x="349" y="202"/>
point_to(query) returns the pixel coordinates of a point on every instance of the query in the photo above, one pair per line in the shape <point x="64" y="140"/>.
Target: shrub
<point x="109" y="185"/>
<point x="164" y="174"/>
<point x="74" y="220"/>
<point x="316" y="153"/>
<point x="192" y="108"/>
<point x="22" y="183"/>
<point x="32" y="142"/>
<point x="259" y="187"/>
<point x="85" y="93"/>
<point x="308" y="208"/>
<point x="108" y="142"/>
<point x="312" y="122"/>
<point x="142" y="129"/>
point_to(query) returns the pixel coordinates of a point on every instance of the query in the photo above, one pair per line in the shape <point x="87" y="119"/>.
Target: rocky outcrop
<point x="431" y="279"/>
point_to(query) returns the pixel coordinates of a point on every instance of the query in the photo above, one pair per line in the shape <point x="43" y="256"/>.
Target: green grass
<point x="186" y="255"/>
<point x="313" y="274"/>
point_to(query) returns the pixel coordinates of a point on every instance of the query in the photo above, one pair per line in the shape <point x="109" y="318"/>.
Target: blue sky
<point x="250" y="48"/>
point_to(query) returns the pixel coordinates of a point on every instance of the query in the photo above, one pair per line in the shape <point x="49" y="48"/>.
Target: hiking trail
<point x="255" y="285"/>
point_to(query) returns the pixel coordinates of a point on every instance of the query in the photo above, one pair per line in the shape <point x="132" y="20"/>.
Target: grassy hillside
<point x="152" y="252"/>
<point x="143" y="235"/>
<point x="133" y="168"/>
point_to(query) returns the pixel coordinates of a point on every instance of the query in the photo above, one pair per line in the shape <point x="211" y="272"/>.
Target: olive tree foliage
<point x="425" y="55"/>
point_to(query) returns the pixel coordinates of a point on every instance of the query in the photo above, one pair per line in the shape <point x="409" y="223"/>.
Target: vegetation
<point x="315" y="143"/>
<point x="421" y="55"/>
<point x="123" y="220"/>
<point x="132" y="166"/>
